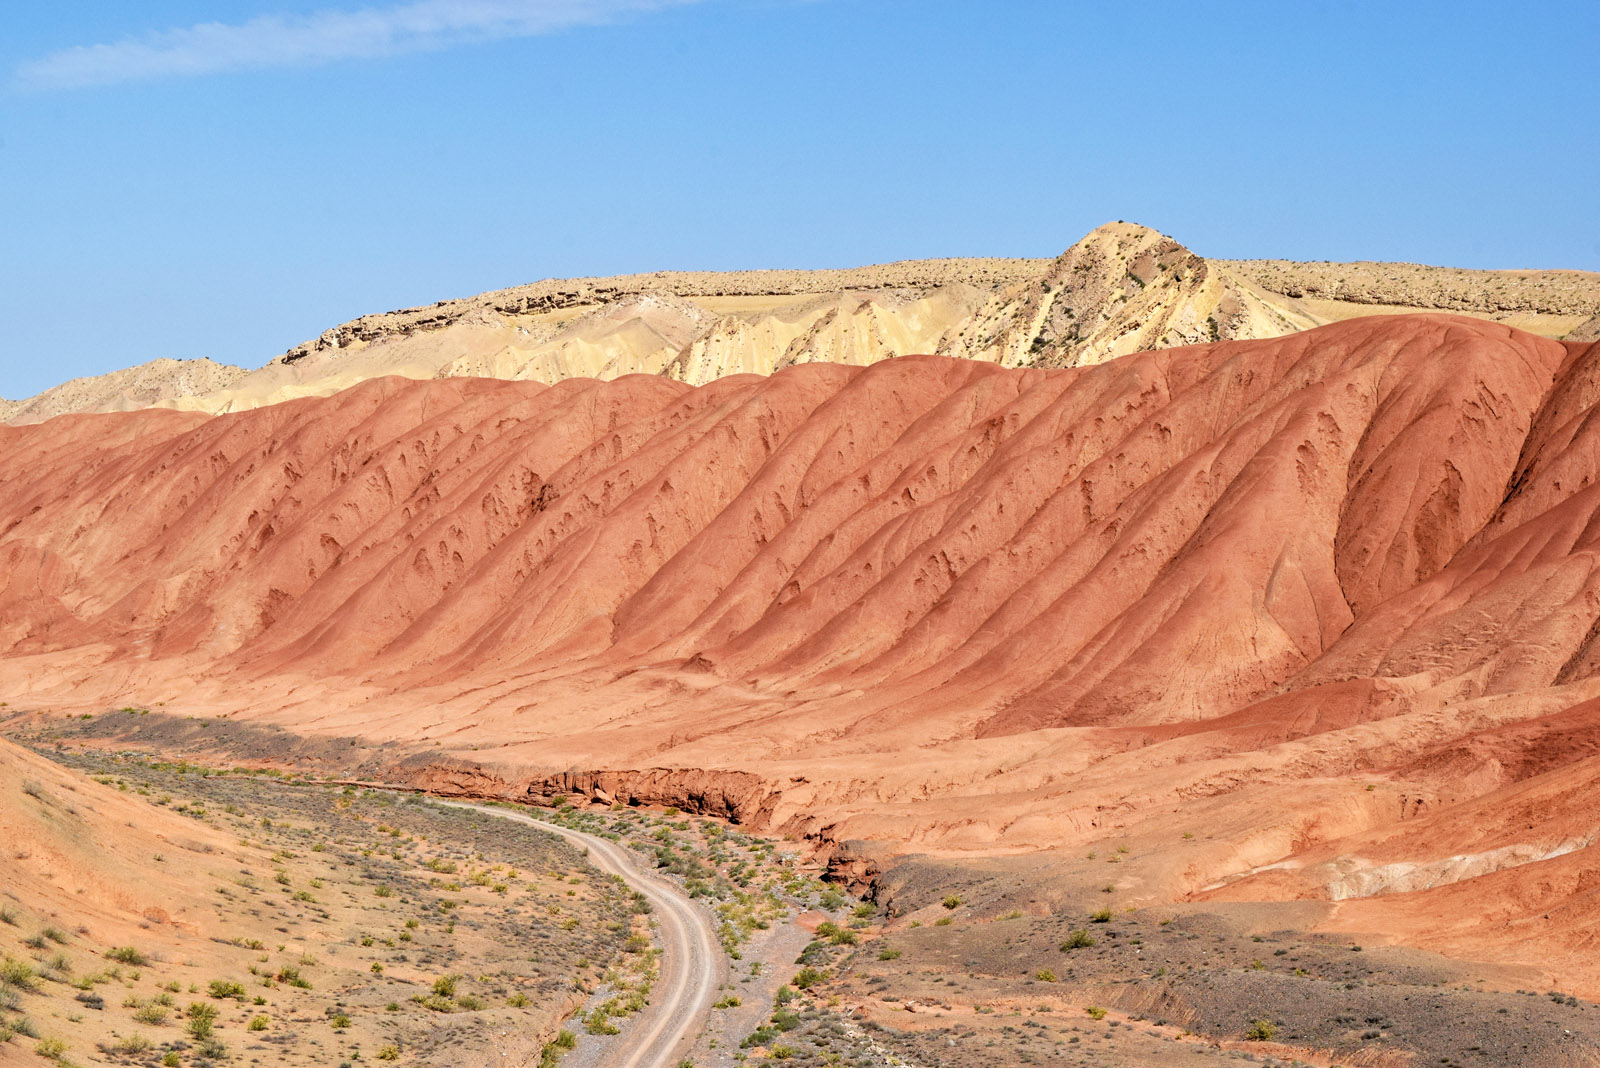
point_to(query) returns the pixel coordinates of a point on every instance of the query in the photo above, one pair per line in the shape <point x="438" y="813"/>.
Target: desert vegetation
<point x="346" y="925"/>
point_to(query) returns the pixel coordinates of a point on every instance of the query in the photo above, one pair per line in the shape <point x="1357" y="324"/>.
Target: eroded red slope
<point x="931" y="601"/>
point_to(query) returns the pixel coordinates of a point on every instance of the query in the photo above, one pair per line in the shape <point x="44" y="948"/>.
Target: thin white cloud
<point x="319" y="37"/>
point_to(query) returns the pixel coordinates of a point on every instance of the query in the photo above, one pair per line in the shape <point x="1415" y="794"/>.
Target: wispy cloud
<point x="319" y="37"/>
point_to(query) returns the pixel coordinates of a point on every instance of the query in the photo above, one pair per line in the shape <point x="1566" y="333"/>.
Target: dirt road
<point x="692" y="964"/>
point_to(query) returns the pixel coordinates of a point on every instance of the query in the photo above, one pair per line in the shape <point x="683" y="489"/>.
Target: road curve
<point x="692" y="966"/>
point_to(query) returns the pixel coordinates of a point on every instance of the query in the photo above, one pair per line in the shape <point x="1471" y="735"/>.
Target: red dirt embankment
<point x="1331" y="596"/>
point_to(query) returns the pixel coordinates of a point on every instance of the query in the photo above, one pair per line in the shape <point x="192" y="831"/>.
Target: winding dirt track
<point x="692" y="966"/>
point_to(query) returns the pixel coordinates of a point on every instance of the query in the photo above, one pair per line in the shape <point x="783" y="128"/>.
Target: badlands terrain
<point x="1121" y="289"/>
<point x="1179" y="664"/>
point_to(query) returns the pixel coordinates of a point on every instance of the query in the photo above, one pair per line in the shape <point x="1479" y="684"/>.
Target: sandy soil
<point x="313" y="922"/>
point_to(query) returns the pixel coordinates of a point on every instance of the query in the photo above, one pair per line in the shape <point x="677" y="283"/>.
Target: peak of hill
<point x="1327" y="599"/>
<point x="1122" y="288"/>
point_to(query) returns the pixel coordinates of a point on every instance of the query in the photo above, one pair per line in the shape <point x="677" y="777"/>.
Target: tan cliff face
<point x="1123" y="288"/>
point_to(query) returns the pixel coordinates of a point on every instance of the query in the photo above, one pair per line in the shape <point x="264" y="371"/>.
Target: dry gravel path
<point x="692" y="964"/>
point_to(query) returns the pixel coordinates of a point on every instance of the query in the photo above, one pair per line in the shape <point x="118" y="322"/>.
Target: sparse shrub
<point x="951" y="901"/>
<point x="1261" y="1031"/>
<point x="202" y="1019"/>
<point x="1045" y="975"/>
<point x="17" y="973"/>
<point x="517" y="1001"/>
<point x="445" y="986"/>
<point x="151" y="1013"/>
<point x="133" y="1044"/>
<point x="888" y="953"/>
<point x="170" y="1059"/>
<point x="290" y="975"/>
<point x="389" y="1053"/>
<point x="340" y="1021"/>
<point x="1102" y="916"/>
<point x="258" y="1023"/>
<point x="808" y="977"/>
<point x="226" y="988"/>
<point x="732" y="1001"/>
<point x="1079" y="939"/>
<point x="128" y="955"/>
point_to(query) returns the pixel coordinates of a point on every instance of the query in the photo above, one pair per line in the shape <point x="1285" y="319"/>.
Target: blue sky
<point x="205" y="179"/>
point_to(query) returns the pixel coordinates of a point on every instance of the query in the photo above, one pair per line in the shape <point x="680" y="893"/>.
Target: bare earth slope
<point x="1331" y="597"/>
<point x="159" y="383"/>
<point x="1122" y="288"/>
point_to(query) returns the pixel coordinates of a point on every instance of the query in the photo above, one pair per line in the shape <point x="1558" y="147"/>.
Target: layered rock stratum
<point x="1122" y="288"/>
<point x="1330" y="598"/>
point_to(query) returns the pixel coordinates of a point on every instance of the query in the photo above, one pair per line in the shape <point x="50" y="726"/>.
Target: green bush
<point x="226" y="988"/>
<point x="1079" y="939"/>
<point x="202" y="1020"/>
<point x="808" y="977"/>
<point x="1261" y="1031"/>
<point x="128" y="955"/>
<point x="17" y="973"/>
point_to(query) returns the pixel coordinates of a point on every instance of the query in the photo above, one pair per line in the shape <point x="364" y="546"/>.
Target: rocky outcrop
<point x="1122" y="289"/>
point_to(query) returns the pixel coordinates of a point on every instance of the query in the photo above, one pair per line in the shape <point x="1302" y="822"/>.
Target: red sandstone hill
<point x="1331" y="597"/>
